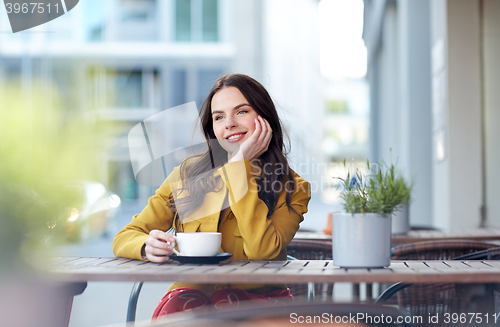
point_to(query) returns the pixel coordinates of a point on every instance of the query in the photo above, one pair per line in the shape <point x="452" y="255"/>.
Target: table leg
<point x="66" y="294"/>
<point x="369" y="292"/>
<point x="355" y="292"/>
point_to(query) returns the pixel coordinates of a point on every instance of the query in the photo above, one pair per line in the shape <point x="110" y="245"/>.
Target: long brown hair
<point x="275" y="174"/>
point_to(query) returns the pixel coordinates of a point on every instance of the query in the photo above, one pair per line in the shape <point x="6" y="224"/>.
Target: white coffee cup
<point x="201" y="244"/>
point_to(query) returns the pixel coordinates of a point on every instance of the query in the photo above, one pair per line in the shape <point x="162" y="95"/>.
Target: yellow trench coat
<point x="246" y="230"/>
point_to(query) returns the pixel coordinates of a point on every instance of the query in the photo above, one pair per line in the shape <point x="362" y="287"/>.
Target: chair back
<point x="438" y="250"/>
<point x="493" y="254"/>
<point x="425" y="299"/>
<point x="489" y="254"/>
<point x="311" y="250"/>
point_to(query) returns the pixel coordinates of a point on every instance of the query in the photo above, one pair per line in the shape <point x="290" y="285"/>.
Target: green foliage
<point x="336" y="106"/>
<point x="43" y="148"/>
<point x="381" y="191"/>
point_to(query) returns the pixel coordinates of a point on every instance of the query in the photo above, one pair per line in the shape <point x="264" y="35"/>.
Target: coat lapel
<point x="207" y="214"/>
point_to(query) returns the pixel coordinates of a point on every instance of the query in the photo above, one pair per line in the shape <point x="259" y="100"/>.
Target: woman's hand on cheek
<point x="157" y="247"/>
<point x="257" y="143"/>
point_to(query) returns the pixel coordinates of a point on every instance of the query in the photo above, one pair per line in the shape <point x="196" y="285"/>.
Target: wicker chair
<point x="424" y="299"/>
<point x="311" y="250"/>
<point x="489" y="254"/>
<point x="438" y="250"/>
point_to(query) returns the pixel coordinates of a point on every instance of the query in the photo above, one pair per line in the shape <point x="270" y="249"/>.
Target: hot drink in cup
<point x="198" y="244"/>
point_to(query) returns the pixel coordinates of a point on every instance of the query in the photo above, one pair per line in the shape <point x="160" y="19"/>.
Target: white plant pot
<point x="361" y="240"/>
<point x="401" y="219"/>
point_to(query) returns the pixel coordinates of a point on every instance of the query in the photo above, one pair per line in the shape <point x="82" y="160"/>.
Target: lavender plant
<point x="380" y="191"/>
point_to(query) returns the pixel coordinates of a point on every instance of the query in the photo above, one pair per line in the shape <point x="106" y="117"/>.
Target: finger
<point x="269" y="135"/>
<point x="265" y="138"/>
<point x="155" y="243"/>
<point x="170" y="238"/>
<point x="158" y="259"/>
<point x="154" y="251"/>
<point x="262" y="143"/>
<point x="157" y="251"/>
<point x="268" y="126"/>
<point x="161" y="235"/>
<point x="257" y="132"/>
<point x="265" y="129"/>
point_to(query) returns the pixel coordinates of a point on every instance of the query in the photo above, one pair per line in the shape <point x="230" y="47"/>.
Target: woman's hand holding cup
<point x="157" y="247"/>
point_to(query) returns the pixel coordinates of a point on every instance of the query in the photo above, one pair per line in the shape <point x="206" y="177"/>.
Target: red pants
<point x="185" y="299"/>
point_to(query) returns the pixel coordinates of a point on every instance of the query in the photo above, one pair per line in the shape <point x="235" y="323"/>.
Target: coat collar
<point x="209" y="210"/>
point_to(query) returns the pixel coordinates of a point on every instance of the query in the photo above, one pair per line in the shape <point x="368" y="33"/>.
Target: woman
<point x="242" y="187"/>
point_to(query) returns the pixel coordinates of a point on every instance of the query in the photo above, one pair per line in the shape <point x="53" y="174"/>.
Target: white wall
<point x="491" y="80"/>
<point x="291" y="73"/>
<point x="457" y="114"/>
<point x="415" y="121"/>
<point x="454" y="149"/>
<point x="242" y="27"/>
<point x="401" y="97"/>
<point x="441" y="195"/>
<point x="389" y="121"/>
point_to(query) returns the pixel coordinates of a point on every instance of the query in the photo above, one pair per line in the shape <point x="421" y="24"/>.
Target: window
<point x="137" y="20"/>
<point x="206" y="79"/>
<point x="196" y="20"/>
<point x="183" y="20"/>
<point x="209" y="21"/>
<point x="96" y="33"/>
<point x="63" y="78"/>
<point x="137" y="10"/>
<point x="96" y="13"/>
<point x="124" y="89"/>
<point x="179" y="91"/>
<point x="122" y="180"/>
<point x="118" y="89"/>
<point x="10" y="70"/>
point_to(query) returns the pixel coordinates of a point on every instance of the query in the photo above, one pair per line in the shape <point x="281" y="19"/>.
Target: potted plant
<point x="362" y="234"/>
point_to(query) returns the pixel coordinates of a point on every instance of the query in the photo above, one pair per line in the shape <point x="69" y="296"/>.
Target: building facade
<point x="432" y="75"/>
<point x="123" y="61"/>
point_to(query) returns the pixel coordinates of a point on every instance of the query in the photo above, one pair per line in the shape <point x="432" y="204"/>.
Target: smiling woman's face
<point x="233" y="118"/>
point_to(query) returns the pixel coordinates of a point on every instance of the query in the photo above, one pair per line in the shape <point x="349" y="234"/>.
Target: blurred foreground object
<point x="44" y="147"/>
<point x="91" y="217"/>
